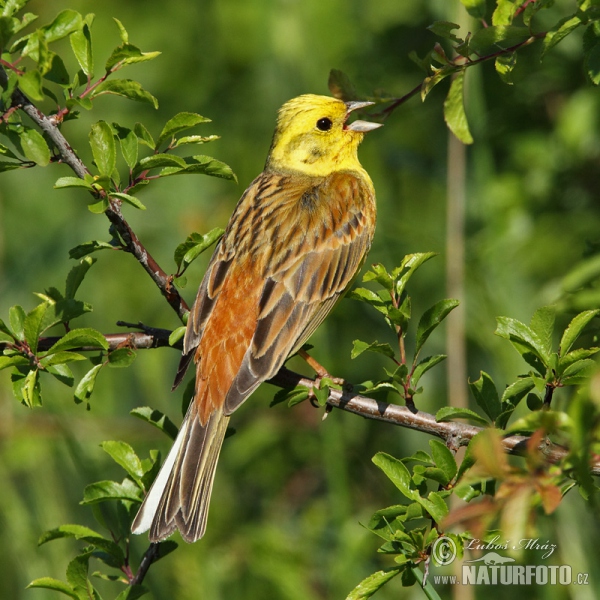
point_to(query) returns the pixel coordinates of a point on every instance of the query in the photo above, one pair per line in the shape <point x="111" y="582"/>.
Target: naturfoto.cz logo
<point x="495" y="569"/>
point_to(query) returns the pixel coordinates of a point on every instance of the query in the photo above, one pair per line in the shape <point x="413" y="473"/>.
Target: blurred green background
<point x="291" y="491"/>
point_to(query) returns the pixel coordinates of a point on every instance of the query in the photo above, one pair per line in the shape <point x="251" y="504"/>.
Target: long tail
<point x="180" y="495"/>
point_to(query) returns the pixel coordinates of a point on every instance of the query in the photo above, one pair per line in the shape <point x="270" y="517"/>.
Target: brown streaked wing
<point x="297" y="297"/>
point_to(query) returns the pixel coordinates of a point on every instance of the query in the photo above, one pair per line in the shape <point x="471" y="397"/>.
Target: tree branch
<point x="50" y="126"/>
<point x="454" y="433"/>
<point x="150" y="556"/>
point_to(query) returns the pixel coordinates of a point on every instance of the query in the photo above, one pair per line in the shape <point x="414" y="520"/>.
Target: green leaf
<point x="431" y="318"/>
<point x="542" y="324"/>
<point x="65" y="23"/>
<point x="129" y="199"/>
<point x="454" y="110"/>
<point x="103" y="148"/>
<point x="30" y="83"/>
<point x="121" y="357"/>
<point x="560" y="31"/>
<point x="79" y="338"/>
<point x="504" y="12"/>
<point x="127" y="54"/>
<point x="12" y="361"/>
<point x="180" y="122"/>
<point x="516" y="391"/>
<point x="57" y="73"/>
<point x="424" y="366"/>
<point x="591" y="47"/>
<point x="77" y="571"/>
<point x="85" y="387"/>
<point x="486" y="395"/>
<point x="523" y="338"/>
<point x="122" y="31"/>
<point x="574" y="356"/>
<point x="368" y="586"/>
<point x="157" y="419"/>
<point x="124" y="455"/>
<point x="31" y="390"/>
<point x="292" y="397"/>
<point x="35" y="147"/>
<point x="101" y="491"/>
<point x="444" y="459"/>
<point x="76" y="276"/>
<point x="370" y="297"/>
<point x="438" y="75"/>
<point x="447" y="413"/>
<point x="574" y="329"/>
<point x="410" y="263"/>
<point x="159" y="160"/>
<point x="201" y="165"/>
<point x="358" y="347"/>
<point x="16" y="318"/>
<point x="54" y="584"/>
<point x="488" y="40"/>
<point x="126" y="88"/>
<point x="133" y="592"/>
<point x="195" y="139"/>
<point x="89" y="247"/>
<point x="32" y="326"/>
<point x="378" y="273"/>
<point x="72" y="182"/>
<point x="434" y="504"/>
<point x="397" y="472"/>
<point x="144" y="135"/>
<point x="176" y="335"/>
<point x="476" y="8"/>
<point x="578" y="372"/>
<point x="81" y="44"/>
<point x="505" y="65"/>
<point x="194" y="245"/>
<point x="129" y="144"/>
<point x="444" y="29"/>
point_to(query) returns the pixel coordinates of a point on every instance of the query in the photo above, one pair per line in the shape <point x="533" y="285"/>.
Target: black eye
<point x="324" y="124"/>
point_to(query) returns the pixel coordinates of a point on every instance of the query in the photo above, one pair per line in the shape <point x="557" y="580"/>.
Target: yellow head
<point x="313" y="138"/>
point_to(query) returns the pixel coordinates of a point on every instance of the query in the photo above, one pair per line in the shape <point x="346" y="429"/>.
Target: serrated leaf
<point x="157" y="419"/>
<point x="56" y="585"/>
<point x="121" y="357"/>
<point x="434" y="504"/>
<point x="85" y="387"/>
<point x="180" y="122"/>
<point x="101" y="491"/>
<point x="32" y="327"/>
<point x="16" y="318"/>
<point x="397" y="472"/>
<point x="65" y="23"/>
<point x="124" y="455"/>
<point x="81" y="44"/>
<point x="129" y="144"/>
<point x="127" y="54"/>
<point x="523" y="337"/>
<point x="77" y="571"/>
<point x="195" y="139"/>
<point x="578" y="372"/>
<point x="486" y="395"/>
<point x="542" y="324"/>
<point x="444" y="459"/>
<point x="368" y="586"/>
<point x="128" y="199"/>
<point x="89" y="247"/>
<point x="31" y="390"/>
<point x="378" y="273"/>
<point x="516" y="391"/>
<point x="358" y="347"/>
<point x="126" y="88"/>
<point x="560" y="31"/>
<point x="159" y="160"/>
<point x="574" y="329"/>
<point x="12" y="361"/>
<point x="370" y="297"/>
<point x="144" y="135"/>
<point x="201" y="165"/>
<point x="424" y="366"/>
<point x="438" y="75"/>
<point x="454" y="110"/>
<point x="103" y="148"/>
<point x="447" y="413"/>
<point x="72" y="182"/>
<point x="410" y="263"/>
<point x="35" y="147"/>
<point x="431" y="318"/>
<point x="76" y="276"/>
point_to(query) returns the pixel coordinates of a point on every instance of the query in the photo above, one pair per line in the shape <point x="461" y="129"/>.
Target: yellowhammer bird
<point x="295" y="241"/>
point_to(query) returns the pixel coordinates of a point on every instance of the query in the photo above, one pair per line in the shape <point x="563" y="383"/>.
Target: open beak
<point x="360" y="126"/>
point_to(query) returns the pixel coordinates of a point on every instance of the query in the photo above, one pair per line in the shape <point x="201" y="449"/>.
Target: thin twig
<point x="151" y="555"/>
